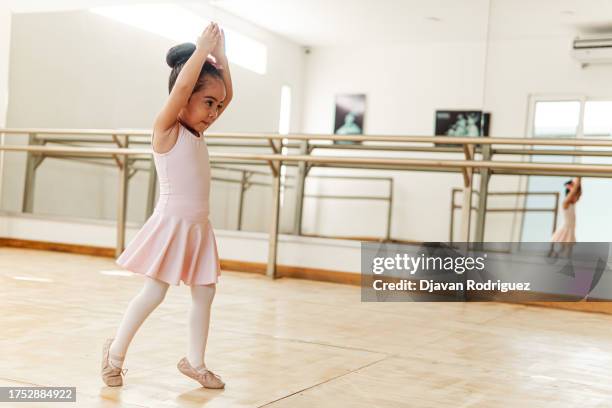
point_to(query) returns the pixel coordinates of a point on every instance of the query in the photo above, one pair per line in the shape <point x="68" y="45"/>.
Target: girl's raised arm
<point x="221" y="58"/>
<point x="186" y="80"/>
<point x="573" y="192"/>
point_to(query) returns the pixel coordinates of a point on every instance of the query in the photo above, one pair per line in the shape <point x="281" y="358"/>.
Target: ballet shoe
<point x="112" y="376"/>
<point x="206" y="378"/>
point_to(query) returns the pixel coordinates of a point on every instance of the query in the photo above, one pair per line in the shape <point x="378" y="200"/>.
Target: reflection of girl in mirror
<point x="567" y="232"/>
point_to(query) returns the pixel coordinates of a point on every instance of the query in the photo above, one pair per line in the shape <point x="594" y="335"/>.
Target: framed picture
<point x="461" y="124"/>
<point x="350" y="111"/>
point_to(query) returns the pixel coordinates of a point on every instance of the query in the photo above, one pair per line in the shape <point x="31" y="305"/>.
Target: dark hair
<point x="567" y="185"/>
<point x="176" y="58"/>
<point x="570" y="183"/>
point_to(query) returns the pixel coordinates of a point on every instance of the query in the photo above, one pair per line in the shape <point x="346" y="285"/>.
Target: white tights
<point x="150" y="296"/>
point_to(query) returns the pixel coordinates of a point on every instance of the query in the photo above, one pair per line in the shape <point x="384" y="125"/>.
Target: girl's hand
<point x="209" y="38"/>
<point x="219" y="50"/>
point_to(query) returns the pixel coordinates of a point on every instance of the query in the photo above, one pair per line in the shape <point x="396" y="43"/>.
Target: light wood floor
<point x="293" y="343"/>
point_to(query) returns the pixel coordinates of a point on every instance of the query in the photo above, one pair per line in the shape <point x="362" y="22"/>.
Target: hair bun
<point x="179" y="54"/>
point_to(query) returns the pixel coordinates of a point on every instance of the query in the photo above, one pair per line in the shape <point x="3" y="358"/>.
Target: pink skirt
<point x="171" y="248"/>
<point x="564" y="234"/>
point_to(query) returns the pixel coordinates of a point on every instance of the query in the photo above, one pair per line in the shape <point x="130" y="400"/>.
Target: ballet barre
<point x="593" y="142"/>
<point x="478" y="158"/>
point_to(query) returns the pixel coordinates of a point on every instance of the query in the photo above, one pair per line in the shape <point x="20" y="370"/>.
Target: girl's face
<point x="203" y="106"/>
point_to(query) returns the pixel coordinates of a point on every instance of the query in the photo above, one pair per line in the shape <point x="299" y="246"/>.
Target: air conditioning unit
<point x="593" y="50"/>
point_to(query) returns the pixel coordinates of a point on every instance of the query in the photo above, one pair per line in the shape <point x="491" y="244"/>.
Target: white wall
<point x="80" y="70"/>
<point x="404" y="86"/>
<point x="5" y="41"/>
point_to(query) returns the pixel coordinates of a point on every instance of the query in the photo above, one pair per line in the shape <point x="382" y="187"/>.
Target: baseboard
<point x="298" y="272"/>
<point x="282" y="271"/>
<point x="57" y="246"/>
<point x="580" y="306"/>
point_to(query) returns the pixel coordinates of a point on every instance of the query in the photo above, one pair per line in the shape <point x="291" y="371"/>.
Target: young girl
<point x="567" y="233"/>
<point x="177" y="242"/>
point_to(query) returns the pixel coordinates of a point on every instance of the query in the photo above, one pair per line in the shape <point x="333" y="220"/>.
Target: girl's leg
<point x="199" y="320"/>
<point x="139" y="308"/>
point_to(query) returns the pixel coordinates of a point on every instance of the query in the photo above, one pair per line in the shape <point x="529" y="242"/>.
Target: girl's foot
<point x="207" y="378"/>
<point x="111" y="375"/>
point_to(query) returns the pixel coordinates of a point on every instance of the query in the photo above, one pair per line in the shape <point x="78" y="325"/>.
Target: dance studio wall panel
<point x="75" y="69"/>
<point x="5" y="42"/>
<point x="518" y="68"/>
<point x="404" y="85"/>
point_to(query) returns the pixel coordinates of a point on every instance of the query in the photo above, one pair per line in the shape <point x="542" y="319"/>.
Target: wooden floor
<point x="293" y="343"/>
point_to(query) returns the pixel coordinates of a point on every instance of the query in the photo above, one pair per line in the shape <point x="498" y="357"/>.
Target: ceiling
<point x="34" y="6"/>
<point x="545" y="18"/>
<point x="369" y="22"/>
<point x="359" y="22"/>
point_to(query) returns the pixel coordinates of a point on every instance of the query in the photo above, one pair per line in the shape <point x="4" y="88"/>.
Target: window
<point x="598" y="119"/>
<point x="556" y="118"/>
<point x="283" y="128"/>
<point x="285" y="110"/>
<point x="181" y="25"/>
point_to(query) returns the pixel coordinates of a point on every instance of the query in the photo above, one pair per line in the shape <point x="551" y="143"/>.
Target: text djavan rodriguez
<point x="470" y="284"/>
<point x="422" y="263"/>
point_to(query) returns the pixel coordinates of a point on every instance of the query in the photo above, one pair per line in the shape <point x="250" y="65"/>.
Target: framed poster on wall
<point x="349" y="115"/>
<point x="457" y="123"/>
